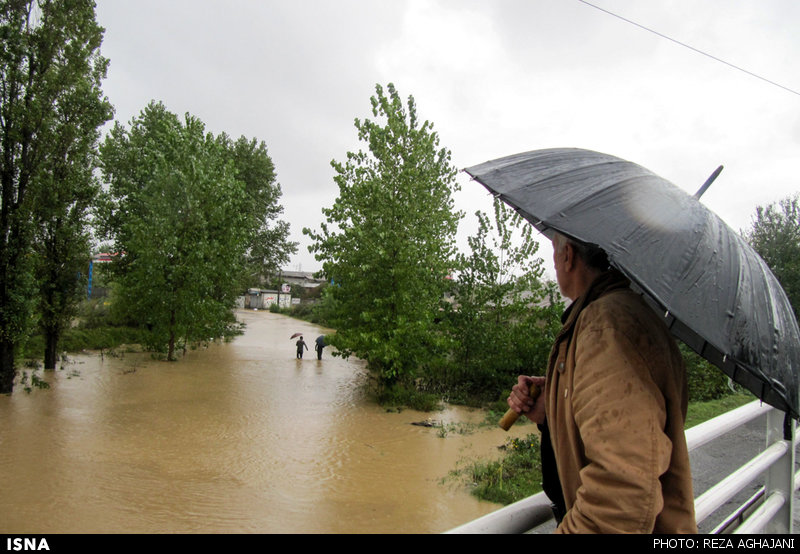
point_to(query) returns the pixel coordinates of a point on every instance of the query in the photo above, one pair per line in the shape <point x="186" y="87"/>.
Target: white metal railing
<point x="768" y="511"/>
<point x="520" y="517"/>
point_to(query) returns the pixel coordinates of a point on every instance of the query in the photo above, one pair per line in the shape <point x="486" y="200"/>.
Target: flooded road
<point x="235" y="438"/>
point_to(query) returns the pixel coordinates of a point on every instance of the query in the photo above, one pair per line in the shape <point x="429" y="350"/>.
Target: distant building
<point x="258" y="298"/>
<point x="262" y="299"/>
<point x="302" y="278"/>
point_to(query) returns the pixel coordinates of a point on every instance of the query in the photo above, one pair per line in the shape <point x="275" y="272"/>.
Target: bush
<point x="409" y="397"/>
<point x="706" y="382"/>
<point x="515" y="476"/>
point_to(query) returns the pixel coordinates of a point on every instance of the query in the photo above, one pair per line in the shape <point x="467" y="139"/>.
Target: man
<point x="320" y="344"/>
<point x="300" y="345"/>
<point x="614" y="402"/>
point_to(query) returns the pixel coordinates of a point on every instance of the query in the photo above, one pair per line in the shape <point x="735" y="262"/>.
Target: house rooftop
<point x="304" y="278"/>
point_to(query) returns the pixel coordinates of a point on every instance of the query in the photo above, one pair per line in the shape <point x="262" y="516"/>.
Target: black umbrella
<point x="713" y="291"/>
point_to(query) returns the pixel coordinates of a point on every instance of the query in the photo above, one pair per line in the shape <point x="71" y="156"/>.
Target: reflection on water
<point x="236" y="438"/>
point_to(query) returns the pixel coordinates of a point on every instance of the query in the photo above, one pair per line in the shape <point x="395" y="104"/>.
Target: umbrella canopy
<point x="321" y="340"/>
<point x="712" y="289"/>
<point x="295" y="335"/>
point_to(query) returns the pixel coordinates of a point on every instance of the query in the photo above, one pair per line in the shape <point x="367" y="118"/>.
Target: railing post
<point x="780" y="477"/>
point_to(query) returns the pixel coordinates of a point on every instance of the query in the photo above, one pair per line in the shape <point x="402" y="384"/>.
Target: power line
<point x="691" y="48"/>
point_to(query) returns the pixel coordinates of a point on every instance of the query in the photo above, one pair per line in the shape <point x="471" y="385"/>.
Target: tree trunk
<point x="171" y="349"/>
<point x="6" y="367"/>
<point x="50" y="349"/>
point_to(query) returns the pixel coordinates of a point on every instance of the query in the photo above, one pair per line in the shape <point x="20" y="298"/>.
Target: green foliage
<point x="324" y="312"/>
<point x="35" y="382"/>
<point x="388" y="242"/>
<point x="51" y="107"/>
<point x="268" y="247"/>
<point x="195" y="220"/>
<point x="179" y="218"/>
<point x="398" y="395"/>
<point x="775" y="235"/>
<point x="67" y="191"/>
<point x="517" y="475"/>
<point x="706" y="382"/>
<point x="78" y="339"/>
<point x="503" y="318"/>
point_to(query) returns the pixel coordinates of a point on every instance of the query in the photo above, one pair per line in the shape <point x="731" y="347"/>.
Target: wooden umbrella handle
<point x="511" y="416"/>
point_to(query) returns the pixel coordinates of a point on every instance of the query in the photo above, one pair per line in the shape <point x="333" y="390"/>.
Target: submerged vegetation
<point x="516" y="475"/>
<point x="93" y="328"/>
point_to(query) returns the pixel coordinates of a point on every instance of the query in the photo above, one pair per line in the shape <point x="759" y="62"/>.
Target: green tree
<point x="504" y="317"/>
<point x="775" y="235"/>
<point x="389" y="241"/>
<point x="63" y="244"/>
<point x="179" y="219"/>
<point x="50" y="107"/>
<point x="268" y="245"/>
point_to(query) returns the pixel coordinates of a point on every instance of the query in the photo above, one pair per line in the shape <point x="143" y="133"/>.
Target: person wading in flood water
<point x="614" y="405"/>
<point x="300" y="345"/>
<point x="319" y="345"/>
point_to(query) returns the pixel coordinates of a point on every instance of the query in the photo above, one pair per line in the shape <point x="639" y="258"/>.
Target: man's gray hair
<point x="592" y="255"/>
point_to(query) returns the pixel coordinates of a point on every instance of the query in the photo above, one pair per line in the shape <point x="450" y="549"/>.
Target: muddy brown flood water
<point x="235" y="438"/>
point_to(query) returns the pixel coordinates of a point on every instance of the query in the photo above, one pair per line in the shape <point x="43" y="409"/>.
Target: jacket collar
<point x="604" y="283"/>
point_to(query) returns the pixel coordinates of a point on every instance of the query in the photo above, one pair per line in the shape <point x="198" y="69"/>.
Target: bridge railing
<point x="769" y="510"/>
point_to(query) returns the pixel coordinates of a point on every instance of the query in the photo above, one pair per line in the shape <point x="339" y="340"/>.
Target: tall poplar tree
<point x="389" y="239"/>
<point x="180" y="223"/>
<point x="268" y="247"/>
<point x="50" y="108"/>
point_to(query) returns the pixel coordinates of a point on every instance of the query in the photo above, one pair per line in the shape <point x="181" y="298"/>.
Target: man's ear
<point x="569" y="256"/>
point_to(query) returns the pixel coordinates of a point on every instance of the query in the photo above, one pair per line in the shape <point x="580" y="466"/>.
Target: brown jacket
<point x="616" y="404"/>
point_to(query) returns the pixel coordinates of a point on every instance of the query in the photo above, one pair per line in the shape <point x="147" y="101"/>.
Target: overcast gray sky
<point x="496" y="77"/>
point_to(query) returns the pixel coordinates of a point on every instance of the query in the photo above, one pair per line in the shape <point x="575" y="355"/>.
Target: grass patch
<point x="699" y="412"/>
<point x="516" y="475"/>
